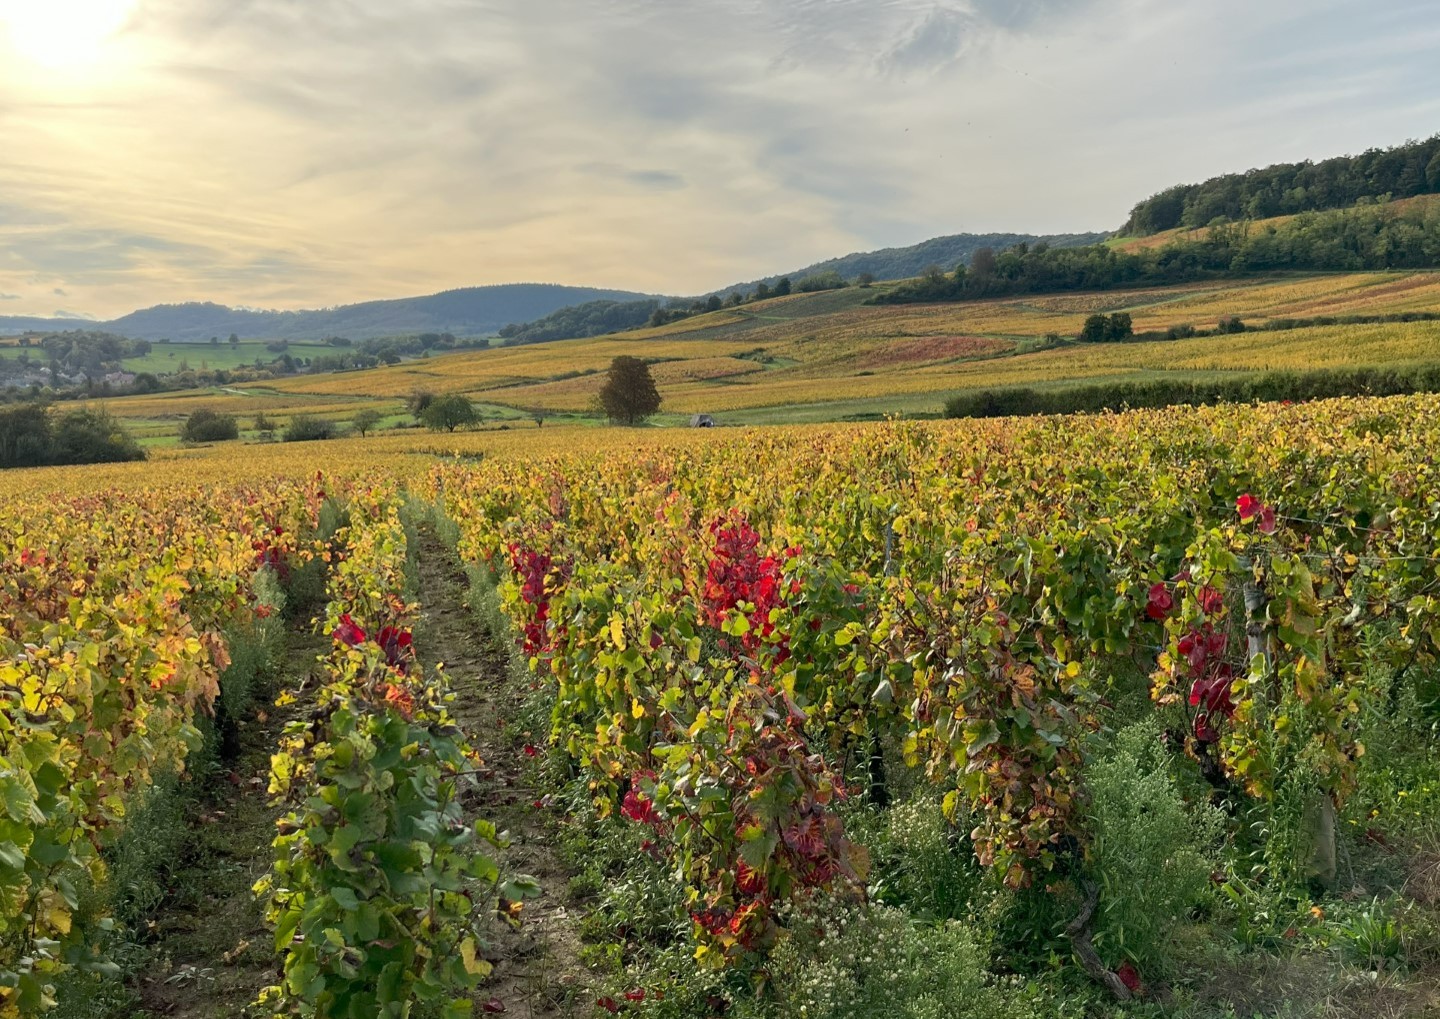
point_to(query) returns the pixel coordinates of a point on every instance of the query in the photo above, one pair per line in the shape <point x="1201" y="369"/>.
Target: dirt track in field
<point x="537" y="972"/>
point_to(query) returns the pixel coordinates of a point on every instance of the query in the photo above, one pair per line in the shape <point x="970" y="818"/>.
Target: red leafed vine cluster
<point x="268" y="553"/>
<point x="398" y="646"/>
<point x="1204" y="649"/>
<point x="533" y="567"/>
<point x="737" y="574"/>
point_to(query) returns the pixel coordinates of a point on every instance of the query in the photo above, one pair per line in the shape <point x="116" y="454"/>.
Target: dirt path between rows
<point x="208" y="949"/>
<point x="537" y="970"/>
<point x="210" y="952"/>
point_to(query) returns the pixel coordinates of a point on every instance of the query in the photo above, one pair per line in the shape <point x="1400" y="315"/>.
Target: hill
<point x="10" y="325"/>
<point x="1373" y="234"/>
<point x="593" y="318"/>
<point x="600" y="317"/>
<point x="471" y="311"/>
<point x="900" y="263"/>
<point x="1402" y="171"/>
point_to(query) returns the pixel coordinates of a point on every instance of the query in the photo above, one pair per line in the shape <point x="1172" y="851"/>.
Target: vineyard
<point x="1121" y="715"/>
<point x="830" y="356"/>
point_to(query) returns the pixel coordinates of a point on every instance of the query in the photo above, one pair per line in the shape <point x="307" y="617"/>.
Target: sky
<point x="310" y="153"/>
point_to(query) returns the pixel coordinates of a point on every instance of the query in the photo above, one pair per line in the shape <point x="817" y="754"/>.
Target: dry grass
<point x="1312" y="985"/>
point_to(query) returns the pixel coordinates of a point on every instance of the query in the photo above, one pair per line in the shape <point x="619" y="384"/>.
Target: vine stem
<point x="1081" y="940"/>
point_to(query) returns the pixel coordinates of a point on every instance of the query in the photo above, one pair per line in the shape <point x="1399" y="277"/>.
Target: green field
<point x="168" y="357"/>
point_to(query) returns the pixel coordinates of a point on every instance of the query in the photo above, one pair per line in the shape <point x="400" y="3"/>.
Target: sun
<point x="62" y="34"/>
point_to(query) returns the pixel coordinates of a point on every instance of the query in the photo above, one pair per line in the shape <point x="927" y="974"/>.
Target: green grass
<point x="168" y="357"/>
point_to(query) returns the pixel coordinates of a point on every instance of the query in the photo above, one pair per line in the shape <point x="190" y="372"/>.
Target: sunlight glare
<point x="62" y="34"/>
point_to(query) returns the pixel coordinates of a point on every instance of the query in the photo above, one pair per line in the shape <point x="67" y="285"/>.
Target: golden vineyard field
<point x="828" y="356"/>
<point x="763" y="664"/>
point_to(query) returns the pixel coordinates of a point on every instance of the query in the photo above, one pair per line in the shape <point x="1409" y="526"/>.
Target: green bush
<point x="92" y="436"/>
<point x="30" y="436"/>
<point x="851" y="961"/>
<point x="827" y="280"/>
<point x="303" y="587"/>
<point x="1152" y="853"/>
<point x="304" y="428"/>
<point x="139" y="865"/>
<point x="255" y="653"/>
<point x="205" y="425"/>
<point x="933" y="872"/>
<point x="25" y="436"/>
<point x="1399" y="775"/>
<point x="1106" y="328"/>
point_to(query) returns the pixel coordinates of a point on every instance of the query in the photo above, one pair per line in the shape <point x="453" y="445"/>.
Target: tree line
<point x="74" y="365"/>
<point x="73" y="352"/>
<point x="1367" y="237"/>
<point x="1285" y="188"/>
<point x="593" y="318"/>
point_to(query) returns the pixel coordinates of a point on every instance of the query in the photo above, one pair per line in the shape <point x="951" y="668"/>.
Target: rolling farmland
<point x="828" y="356"/>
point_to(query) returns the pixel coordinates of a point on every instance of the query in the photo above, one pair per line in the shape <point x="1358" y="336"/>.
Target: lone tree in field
<point x="447" y="413"/>
<point x="365" y="421"/>
<point x="629" y="395"/>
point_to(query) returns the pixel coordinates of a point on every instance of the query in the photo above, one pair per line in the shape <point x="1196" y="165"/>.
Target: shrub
<point x="1247" y="387"/>
<point x="849" y="961"/>
<point x="25" y="436"/>
<point x="935" y="872"/>
<point x="92" y="436"/>
<point x="1399" y="776"/>
<point x="304" y="428"/>
<point x="206" y="425"/>
<point x="1153" y="854"/>
<point x="828" y="280"/>
<point x="1107" y="328"/>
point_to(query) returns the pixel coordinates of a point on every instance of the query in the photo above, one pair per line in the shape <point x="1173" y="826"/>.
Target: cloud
<point x="936" y="41"/>
<point x="10" y="297"/>
<point x="649" y="180"/>
<point x="281" y="154"/>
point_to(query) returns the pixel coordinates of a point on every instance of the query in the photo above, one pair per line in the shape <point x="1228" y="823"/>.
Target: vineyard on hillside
<point x="1118" y="715"/>
<point x="830" y="356"/>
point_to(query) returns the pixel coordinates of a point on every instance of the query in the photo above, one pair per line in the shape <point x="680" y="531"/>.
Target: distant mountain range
<point x="12" y="324"/>
<point x="483" y="311"/>
<point x="472" y="311"/>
